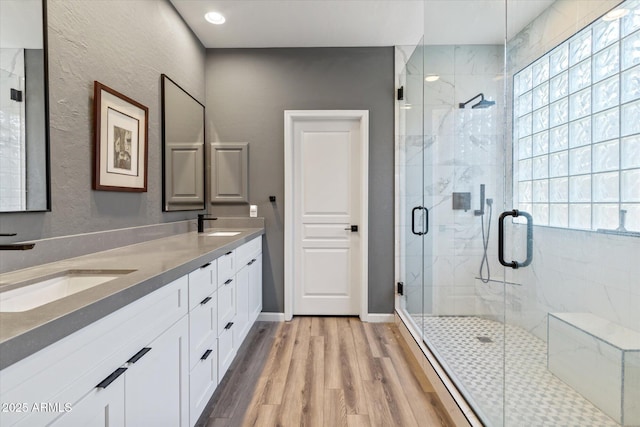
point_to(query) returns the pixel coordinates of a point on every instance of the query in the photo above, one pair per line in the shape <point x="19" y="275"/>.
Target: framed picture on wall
<point x="121" y="142"/>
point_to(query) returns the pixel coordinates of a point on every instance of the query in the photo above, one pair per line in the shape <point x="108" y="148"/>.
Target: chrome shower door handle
<point x="413" y="221"/>
<point x="515" y="264"/>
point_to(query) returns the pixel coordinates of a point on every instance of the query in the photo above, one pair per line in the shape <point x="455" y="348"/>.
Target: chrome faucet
<point x="15" y="246"/>
<point x="201" y="220"/>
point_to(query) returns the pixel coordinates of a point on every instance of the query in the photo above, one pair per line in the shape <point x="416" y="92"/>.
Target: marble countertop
<point x="155" y="264"/>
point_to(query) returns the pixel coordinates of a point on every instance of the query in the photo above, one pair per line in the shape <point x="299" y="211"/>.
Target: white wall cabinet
<point x="156" y="361"/>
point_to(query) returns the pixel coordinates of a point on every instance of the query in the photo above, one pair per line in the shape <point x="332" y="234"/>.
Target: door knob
<point x="352" y="228"/>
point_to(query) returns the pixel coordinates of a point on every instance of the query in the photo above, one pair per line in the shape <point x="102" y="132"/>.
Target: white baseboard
<point x="271" y="317"/>
<point x="371" y="317"/>
<point x="379" y="318"/>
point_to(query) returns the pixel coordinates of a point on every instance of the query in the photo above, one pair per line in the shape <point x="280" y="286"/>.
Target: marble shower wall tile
<point x="572" y="271"/>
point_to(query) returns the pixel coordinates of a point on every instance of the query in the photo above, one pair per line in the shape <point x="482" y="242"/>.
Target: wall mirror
<point x="183" y="149"/>
<point x="24" y="118"/>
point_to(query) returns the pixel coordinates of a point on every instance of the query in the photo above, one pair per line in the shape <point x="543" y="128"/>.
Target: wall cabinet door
<point x="229" y="163"/>
<point x="157" y="384"/>
<point x="255" y="289"/>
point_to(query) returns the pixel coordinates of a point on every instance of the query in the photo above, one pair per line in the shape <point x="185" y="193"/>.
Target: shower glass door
<point x="464" y="115"/>
<point x="411" y="172"/>
<point x="525" y="153"/>
<point x="572" y="327"/>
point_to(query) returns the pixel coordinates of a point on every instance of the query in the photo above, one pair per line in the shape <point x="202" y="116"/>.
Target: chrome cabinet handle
<point x="515" y="264"/>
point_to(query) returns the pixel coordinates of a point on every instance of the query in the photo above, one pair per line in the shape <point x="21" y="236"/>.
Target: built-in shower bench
<point x="599" y="359"/>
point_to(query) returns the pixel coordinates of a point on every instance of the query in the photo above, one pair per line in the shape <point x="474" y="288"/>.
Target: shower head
<point x="483" y="103"/>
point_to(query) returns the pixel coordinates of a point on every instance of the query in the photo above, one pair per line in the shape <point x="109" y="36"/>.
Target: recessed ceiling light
<point x="615" y="14"/>
<point x="432" y="78"/>
<point x="215" y="18"/>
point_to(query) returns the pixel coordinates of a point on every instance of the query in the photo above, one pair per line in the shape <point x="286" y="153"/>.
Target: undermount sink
<point x="224" y="233"/>
<point x="41" y="291"/>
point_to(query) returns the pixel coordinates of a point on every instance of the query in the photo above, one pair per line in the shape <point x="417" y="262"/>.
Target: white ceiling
<point x="335" y="23"/>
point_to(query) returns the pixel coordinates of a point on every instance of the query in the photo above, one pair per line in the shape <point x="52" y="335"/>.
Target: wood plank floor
<point x="324" y="371"/>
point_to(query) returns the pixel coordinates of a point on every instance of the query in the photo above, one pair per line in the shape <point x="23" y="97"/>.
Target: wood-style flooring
<point x="324" y="371"/>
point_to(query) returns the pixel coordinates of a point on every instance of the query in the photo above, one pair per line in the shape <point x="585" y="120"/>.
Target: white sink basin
<point x="50" y="289"/>
<point x="224" y="233"/>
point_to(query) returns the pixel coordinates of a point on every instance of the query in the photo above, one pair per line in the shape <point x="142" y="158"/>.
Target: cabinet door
<point x="242" y="306"/>
<point x="203" y="327"/>
<point x="229" y="176"/>
<point x="203" y="380"/>
<point x="157" y="384"/>
<point x="255" y="289"/>
<point x="226" y="267"/>
<point x="226" y="304"/>
<point x="101" y="407"/>
<point x="202" y="283"/>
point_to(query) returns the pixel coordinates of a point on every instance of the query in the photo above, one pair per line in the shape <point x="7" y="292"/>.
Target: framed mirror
<point x="183" y="149"/>
<point x="24" y="109"/>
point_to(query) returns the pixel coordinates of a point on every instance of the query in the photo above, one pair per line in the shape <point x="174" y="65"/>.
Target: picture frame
<point x="121" y="141"/>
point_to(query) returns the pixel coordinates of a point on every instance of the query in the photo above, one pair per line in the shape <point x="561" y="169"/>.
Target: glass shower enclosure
<point x="518" y="206"/>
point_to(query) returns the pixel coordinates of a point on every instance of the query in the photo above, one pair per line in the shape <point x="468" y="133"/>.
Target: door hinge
<point x="401" y="93"/>
<point x="400" y="288"/>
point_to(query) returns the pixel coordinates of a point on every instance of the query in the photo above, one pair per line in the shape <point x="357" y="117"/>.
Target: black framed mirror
<point x="183" y="185"/>
<point x="24" y="107"/>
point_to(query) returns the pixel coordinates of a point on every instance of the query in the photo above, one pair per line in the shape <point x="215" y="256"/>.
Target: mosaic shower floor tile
<point x="481" y="355"/>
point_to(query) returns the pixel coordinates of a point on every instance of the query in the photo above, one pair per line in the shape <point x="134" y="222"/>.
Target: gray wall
<point x="247" y="93"/>
<point x="125" y="45"/>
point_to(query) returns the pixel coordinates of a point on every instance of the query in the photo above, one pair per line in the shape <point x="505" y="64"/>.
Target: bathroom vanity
<point x="148" y="346"/>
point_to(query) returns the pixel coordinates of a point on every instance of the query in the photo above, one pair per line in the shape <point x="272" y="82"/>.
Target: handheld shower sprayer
<point x="484" y="264"/>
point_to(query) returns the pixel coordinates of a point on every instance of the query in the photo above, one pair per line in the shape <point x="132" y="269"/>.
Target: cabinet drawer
<point x="226" y="351"/>
<point x="202" y="282"/>
<point x="203" y="327"/>
<point x="226" y="267"/>
<point x="226" y="305"/>
<point x="203" y="380"/>
<point x="248" y="251"/>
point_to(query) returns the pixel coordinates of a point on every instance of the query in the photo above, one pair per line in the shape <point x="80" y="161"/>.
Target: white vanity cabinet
<point x="227" y="298"/>
<point x="156" y="385"/>
<point x="156" y="361"/>
<point x="203" y="337"/>
<point x="249" y="287"/>
<point x="255" y="286"/>
<point x="90" y="378"/>
<point x="149" y="391"/>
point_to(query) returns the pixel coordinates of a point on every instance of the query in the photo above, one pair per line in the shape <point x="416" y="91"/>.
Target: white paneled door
<point x="328" y="233"/>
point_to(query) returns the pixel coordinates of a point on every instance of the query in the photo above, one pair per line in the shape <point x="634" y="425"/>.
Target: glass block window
<point x="576" y="133"/>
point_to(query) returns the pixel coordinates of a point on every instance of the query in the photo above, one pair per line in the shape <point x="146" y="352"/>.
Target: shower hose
<point x="484" y="264"/>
